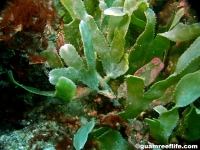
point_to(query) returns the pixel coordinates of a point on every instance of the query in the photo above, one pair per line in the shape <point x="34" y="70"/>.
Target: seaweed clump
<point x="25" y="15"/>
